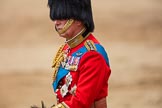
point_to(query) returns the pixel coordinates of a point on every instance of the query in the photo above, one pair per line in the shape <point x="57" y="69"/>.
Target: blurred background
<point x="130" y="31"/>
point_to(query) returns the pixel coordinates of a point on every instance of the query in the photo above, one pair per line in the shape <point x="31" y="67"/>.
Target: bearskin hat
<point x="72" y="9"/>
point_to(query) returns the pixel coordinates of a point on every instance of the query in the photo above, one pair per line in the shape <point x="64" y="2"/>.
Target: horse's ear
<point x="43" y="104"/>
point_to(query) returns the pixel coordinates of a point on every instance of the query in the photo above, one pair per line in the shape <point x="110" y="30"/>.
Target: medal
<point x="73" y="90"/>
<point x="64" y="90"/>
<point x="68" y="79"/>
<point x="71" y="62"/>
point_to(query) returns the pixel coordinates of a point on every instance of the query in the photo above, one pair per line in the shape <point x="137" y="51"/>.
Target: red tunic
<point x="89" y="83"/>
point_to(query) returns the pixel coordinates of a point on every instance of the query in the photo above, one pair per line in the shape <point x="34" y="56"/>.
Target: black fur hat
<point x="72" y="9"/>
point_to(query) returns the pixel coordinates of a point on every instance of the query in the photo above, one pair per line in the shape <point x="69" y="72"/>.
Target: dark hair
<point x="72" y="9"/>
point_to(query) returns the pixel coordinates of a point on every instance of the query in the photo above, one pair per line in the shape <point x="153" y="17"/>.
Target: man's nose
<point x="57" y="22"/>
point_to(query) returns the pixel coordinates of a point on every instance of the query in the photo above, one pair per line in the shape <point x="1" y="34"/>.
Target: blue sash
<point x="63" y="72"/>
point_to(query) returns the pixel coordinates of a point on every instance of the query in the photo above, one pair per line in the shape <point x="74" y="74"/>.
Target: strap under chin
<point x="66" y="26"/>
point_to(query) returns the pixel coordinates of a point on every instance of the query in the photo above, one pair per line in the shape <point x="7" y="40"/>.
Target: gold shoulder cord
<point x="57" y="61"/>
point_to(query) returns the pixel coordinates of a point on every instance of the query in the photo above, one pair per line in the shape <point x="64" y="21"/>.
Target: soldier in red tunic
<point x="81" y="66"/>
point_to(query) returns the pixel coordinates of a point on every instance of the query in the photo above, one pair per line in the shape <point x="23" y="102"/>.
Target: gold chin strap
<point x="66" y="26"/>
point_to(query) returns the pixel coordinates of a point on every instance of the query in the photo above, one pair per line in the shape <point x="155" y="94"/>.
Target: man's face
<point x="71" y="31"/>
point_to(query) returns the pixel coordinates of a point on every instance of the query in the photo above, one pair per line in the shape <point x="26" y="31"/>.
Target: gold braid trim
<point x="57" y="61"/>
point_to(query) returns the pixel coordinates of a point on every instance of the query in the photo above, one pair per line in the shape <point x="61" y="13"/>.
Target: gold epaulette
<point x="89" y="44"/>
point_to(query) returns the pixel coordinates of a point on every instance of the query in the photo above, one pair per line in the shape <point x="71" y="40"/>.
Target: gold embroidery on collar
<point x="76" y="40"/>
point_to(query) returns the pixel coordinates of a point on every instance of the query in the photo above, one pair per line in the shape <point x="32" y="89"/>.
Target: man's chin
<point x="62" y="35"/>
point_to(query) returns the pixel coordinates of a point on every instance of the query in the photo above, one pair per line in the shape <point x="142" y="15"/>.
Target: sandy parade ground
<point x="131" y="32"/>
